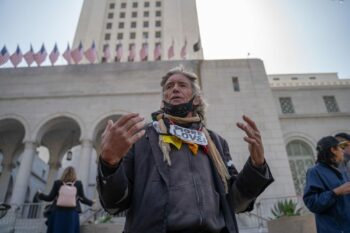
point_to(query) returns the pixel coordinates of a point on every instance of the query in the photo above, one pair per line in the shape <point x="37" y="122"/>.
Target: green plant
<point x="104" y="219"/>
<point x="286" y="208"/>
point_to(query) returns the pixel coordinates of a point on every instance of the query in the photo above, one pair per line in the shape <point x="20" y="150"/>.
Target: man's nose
<point x="176" y="88"/>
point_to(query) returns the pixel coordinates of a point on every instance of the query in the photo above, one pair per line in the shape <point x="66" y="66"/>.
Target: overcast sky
<point x="290" y="36"/>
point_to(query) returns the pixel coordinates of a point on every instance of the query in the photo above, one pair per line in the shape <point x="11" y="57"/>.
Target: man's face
<point x="177" y="89"/>
<point x="346" y="148"/>
<point x="339" y="154"/>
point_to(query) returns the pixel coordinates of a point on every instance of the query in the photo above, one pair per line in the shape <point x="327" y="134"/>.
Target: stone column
<point x="84" y="164"/>
<point x="54" y="166"/>
<point x="7" y="168"/>
<point x="23" y="175"/>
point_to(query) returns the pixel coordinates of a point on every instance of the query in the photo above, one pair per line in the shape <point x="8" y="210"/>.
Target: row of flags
<point x="76" y="55"/>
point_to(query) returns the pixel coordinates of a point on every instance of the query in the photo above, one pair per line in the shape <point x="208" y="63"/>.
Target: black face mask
<point x="179" y="110"/>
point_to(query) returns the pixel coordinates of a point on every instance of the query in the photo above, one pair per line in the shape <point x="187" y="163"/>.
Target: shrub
<point x="286" y="208"/>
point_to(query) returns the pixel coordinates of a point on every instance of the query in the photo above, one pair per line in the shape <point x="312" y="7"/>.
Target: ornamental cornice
<point x="312" y="84"/>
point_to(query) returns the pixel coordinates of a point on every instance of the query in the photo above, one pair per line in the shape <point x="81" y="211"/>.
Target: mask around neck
<point x="179" y="110"/>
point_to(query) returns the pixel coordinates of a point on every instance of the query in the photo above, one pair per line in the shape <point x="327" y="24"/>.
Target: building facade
<point x="310" y="106"/>
<point x="124" y="25"/>
<point x="38" y="108"/>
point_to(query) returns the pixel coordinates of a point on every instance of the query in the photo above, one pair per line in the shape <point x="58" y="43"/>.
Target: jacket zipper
<point x="196" y="190"/>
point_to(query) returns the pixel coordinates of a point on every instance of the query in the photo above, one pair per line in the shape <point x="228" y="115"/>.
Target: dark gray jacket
<point x="141" y="185"/>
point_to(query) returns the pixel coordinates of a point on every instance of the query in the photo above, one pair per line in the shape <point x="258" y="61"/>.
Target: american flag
<point x="106" y="53"/>
<point x="157" y="52"/>
<point x="29" y="56"/>
<point x="16" y="57"/>
<point x="91" y="54"/>
<point x="54" y="55"/>
<point x="171" y="50"/>
<point x="77" y="54"/>
<point x="144" y="52"/>
<point x="67" y="55"/>
<point x="119" y="52"/>
<point x="40" y="56"/>
<point x="131" y="56"/>
<point x="183" y="52"/>
<point x="4" y="56"/>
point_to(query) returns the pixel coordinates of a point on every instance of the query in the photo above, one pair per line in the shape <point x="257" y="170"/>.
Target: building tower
<point x="140" y="23"/>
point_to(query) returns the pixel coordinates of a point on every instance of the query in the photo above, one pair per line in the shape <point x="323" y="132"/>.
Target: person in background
<point x="65" y="219"/>
<point x="345" y="165"/>
<point x="327" y="191"/>
<point x="175" y="175"/>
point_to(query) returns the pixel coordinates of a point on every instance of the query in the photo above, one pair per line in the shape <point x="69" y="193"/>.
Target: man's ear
<point x="196" y="100"/>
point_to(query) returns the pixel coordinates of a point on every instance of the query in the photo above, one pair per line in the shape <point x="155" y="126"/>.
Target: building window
<point x="158" y="4"/>
<point x="134" y="14"/>
<point x="107" y="36"/>
<point x="145" y="35"/>
<point x="158" y="34"/>
<point x="123" y="5"/>
<point x="300" y="158"/>
<point x="122" y="15"/>
<point x="134" y="5"/>
<point x="294" y="78"/>
<point x="121" y="25"/>
<point x="158" y="13"/>
<point x="145" y="14"/>
<point x="120" y="36"/>
<point x="111" y="6"/>
<point x="276" y="79"/>
<point x="235" y="84"/>
<point x="133" y="25"/>
<point x="110" y="15"/>
<point x="132" y="35"/>
<point x="146" y="4"/>
<point x="145" y="24"/>
<point x="109" y="26"/>
<point x="331" y="103"/>
<point x="158" y="23"/>
<point x="312" y="78"/>
<point x="286" y="105"/>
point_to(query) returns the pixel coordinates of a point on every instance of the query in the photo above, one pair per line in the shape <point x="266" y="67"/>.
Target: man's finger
<point x="251" y="141"/>
<point x="109" y="124"/>
<point x="136" y="127"/>
<point x="137" y="136"/>
<point x="125" y="118"/>
<point x="132" y="122"/>
<point x="250" y="122"/>
<point x="108" y="127"/>
<point x="246" y="129"/>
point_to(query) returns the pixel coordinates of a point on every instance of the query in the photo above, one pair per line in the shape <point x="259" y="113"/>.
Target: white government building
<point x="65" y="107"/>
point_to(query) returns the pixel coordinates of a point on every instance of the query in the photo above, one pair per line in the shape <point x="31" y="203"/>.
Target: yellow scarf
<point x="165" y="141"/>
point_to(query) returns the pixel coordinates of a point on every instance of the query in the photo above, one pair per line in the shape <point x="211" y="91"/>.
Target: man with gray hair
<point x="175" y="175"/>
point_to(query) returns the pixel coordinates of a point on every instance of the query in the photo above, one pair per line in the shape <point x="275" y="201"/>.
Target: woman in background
<point x="65" y="219"/>
<point x="327" y="191"/>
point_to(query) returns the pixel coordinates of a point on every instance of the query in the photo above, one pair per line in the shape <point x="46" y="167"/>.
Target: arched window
<point x="300" y="158"/>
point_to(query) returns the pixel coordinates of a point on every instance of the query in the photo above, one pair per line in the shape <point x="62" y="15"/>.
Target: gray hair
<point x="196" y="90"/>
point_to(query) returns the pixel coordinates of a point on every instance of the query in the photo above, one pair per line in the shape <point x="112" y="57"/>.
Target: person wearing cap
<point x="327" y="191"/>
<point x="174" y="174"/>
<point x="344" y="166"/>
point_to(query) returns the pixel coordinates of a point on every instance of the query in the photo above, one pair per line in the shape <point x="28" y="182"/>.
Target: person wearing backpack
<point x="66" y="194"/>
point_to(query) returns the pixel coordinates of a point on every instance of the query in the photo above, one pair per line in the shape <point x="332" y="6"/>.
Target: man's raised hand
<point x="119" y="136"/>
<point x="253" y="138"/>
